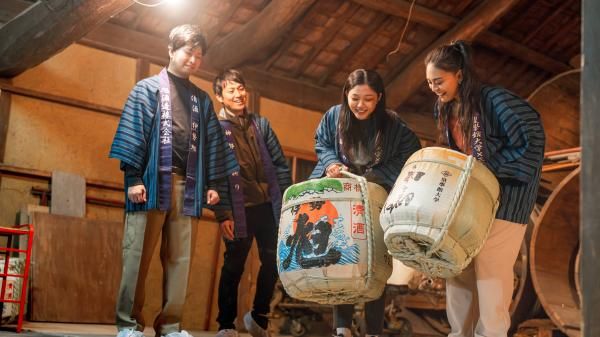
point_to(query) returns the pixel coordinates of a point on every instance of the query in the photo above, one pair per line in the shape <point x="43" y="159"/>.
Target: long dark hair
<point x="452" y="58"/>
<point x="348" y="126"/>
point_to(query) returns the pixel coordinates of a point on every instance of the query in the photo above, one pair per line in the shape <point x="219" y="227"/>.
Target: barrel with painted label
<point x="330" y="244"/>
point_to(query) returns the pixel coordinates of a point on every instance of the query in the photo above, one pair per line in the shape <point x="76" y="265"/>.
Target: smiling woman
<point x="361" y="136"/>
<point x="503" y="131"/>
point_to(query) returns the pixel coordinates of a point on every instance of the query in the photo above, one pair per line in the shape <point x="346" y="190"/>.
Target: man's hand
<point x="333" y="171"/>
<point x="136" y="194"/>
<point x="227" y="229"/>
<point x="212" y="197"/>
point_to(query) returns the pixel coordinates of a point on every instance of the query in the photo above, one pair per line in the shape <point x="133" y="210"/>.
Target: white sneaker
<point x="253" y="328"/>
<point x="227" y="333"/>
<point x="183" y="333"/>
<point x="130" y="333"/>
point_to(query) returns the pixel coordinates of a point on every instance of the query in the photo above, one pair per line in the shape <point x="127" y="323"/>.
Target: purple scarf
<point x="166" y="151"/>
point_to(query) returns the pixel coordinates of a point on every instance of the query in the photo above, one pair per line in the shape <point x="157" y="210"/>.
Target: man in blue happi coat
<point x="173" y="152"/>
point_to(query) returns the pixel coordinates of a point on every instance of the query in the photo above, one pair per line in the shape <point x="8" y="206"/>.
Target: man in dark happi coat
<point x="255" y="195"/>
<point x="173" y="152"/>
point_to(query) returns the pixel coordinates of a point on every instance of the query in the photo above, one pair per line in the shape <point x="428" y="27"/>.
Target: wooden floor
<point x="36" y="329"/>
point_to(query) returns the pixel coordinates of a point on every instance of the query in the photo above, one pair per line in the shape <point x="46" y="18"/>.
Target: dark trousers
<point x="262" y="226"/>
<point x="342" y="315"/>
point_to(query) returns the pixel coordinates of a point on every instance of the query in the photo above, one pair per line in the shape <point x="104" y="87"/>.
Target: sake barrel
<point x="440" y="211"/>
<point x="330" y="245"/>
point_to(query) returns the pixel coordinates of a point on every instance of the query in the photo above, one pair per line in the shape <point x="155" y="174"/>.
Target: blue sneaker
<point x="130" y="333"/>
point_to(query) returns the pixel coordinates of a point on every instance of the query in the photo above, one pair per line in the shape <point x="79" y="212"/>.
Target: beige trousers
<point x="142" y="232"/>
<point x="478" y="300"/>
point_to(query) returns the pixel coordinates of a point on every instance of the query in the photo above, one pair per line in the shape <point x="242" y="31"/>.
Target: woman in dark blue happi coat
<point x="505" y="132"/>
<point x="361" y="136"/>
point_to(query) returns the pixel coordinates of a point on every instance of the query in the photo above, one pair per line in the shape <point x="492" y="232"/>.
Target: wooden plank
<point x="48" y="27"/>
<point x="4" y="87"/>
<point x="590" y="180"/>
<point x="212" y="29"/>
<point x="75" y="272"/>
<point x="46" y="176"/>
<point x="444" y="22"/>
<point x="120" y="40"/>
<point x="68" y="194"/>
<point x="521" y="52"/>
<point x="413" y="76"/>
<point x="547" y="20"/>
<point x="330" y="32"/>
<point x="4" y="118"/>
<point x="11" y="8"/>
<point x="354" y="47"/>
<point x="263" y="29"/>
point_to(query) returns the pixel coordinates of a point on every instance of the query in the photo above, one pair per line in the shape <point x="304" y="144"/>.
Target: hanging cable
<point x="410" y="10"/>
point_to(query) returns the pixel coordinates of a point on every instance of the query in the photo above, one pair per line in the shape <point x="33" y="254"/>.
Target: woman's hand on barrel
<point x="227" y="229"/>
<point x="333" y="170"/>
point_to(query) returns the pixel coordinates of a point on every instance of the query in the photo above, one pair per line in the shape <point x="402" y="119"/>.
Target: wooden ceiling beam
<point x="444" y="22"/>
<point x="260" y="32"/>
<point x="120" y="40"/>
<point x="413" y="75"/>
<point x="48" y="27"/>
<point x="11" y="8"/>
<point x="421" y="14"/>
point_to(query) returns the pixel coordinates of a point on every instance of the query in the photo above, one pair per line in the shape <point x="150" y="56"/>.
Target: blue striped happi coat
<point x="399" y="144"/>
<point x="136" y="143"/>
<point x="514" y="142"/>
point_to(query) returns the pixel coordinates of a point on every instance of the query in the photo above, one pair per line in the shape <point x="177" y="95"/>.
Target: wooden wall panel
<point x="295" y="127"/>
<point x="75" y="270"/>
<point x="83" y="73"/>
<point x="15" y="193"/>
<point x="78" y="262"/>
<point x="48" y="136"/>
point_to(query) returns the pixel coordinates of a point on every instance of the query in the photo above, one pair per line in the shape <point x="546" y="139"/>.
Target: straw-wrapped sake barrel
<point x="439" y="213"/>
<point x="330" y="247"/>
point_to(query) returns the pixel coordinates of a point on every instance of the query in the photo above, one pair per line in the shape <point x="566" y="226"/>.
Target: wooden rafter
<point x="330" y="33"/>
<point x="461" y="6"/>
<point x="11" y="8"/>
<point x="353" y="48"/>
<point x="212" y="31"/>
<point x="444" y="22"/>
<point x="48" y="27"/>
<point x="140" y="14"/>
<point x="547" y="20"/>
<point x="265" y="28"/>
<point x="413" y="75"/>
<point x="120" y="40"/>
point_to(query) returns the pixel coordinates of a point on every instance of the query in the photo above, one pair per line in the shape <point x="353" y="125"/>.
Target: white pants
<point x="478" y="300"/>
